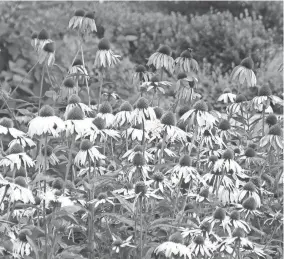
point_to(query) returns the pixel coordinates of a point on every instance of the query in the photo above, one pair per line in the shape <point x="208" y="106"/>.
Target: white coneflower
<point x="88" y="24"/>
<point x="124" y="115"/>
<point x="202" y="195"/>
<point x="135" y="132"/>
<point x="140" y="169"/>
<point x="131" y="153"/>
<point x="210" y="138"/>
<point x="250" y="157"/>
<point x="105" y="112"/>
<point x="218" y="217"/>
<point x="34" y="40"/>
<point x="77" y="71"/>
<point x="75" y="100"/>
<point x="228" y="192"/>
<point x="227" y="96"/>
<point x="156" y="85"/>
<point x="244" y="73"/>
<point x="201" y="246"/>
<point x="141" y="74"/>
<point x="102" y="198"/>
<point x="104" y="56"/>
<point x="162" y="59"/>
<point x="143" y="112"/>
<point x="274" y="138"/>
<point x="87" y="154"/>
<point x="158" y="148"/>
<point x="264" y="98"/>
<point x="186" y="62"/>
<point x="185" y="87"/>
<point x="249" y="190"/>
<point x="184" y="170"/>
<point x="21" y="246"/>
<point x="16" y="157"/>
<point x="68" y="88"/>
<point x="50" y="157"/>
<point x="47" y="54"/>
<point x="160" y="182"/>
<point x="225" y="130"/>
<point x="238" y="106"/>
<point x="173" y="248"/>
<point x="75" y="123"/>
<point x="77" y="19"/>
<point x="118" y="243"/>
<point x="42" y="39"/>
<point x="249" y="207"/>
<point x="46" y="123"/>
<point x="234" y="220"/>
<point x="200" y="115"/>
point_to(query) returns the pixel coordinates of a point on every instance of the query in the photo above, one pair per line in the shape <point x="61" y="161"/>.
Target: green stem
<point x="101" y="77"/>
<point x="163" y="147"/>
<point x="141" y="230"/>
<point x="86" y="78"/>
<point x="263" y="116"/>
<point x="69" y="162"/>
<point x="44" y="190"/>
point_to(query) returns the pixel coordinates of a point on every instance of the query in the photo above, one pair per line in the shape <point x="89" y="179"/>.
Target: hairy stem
<point x="41" y="86"/>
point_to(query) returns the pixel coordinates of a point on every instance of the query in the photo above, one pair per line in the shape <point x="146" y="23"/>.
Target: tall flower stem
<point x="263" y="115"/>
<point x="91" y="216"/>
<point x="44" y="190"/>
<point x="162" y="147"/>
<point x="69" y="162"/>
<point x="101" y="78"/>
<point x="141" y="229"/>
<point x="143" y="137"/>
<point x="86" y="78"/>
<point x="41" y="86"/>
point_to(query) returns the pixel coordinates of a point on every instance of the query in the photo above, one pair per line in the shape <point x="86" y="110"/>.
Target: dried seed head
<point x="200" y="106"/>
<point x="228" y="154"/>
<point x="181" y="75"/>
<point x="79" y="13"/>
<point x="199" y="240"/>
<point x="238" y="232"/>
<point x="158" y="176"/>
<point x="140" y="187"/>
<point x="249" y="203"/>
<point x="264" y="91"/>
<point x="20" y="180"/>
<point x="235" y="215"/>
<point x="250" y="152"/>
<point x="182" y="110"/>
<point x="240" y="98"/>
<point x="126" y="106"/>
<point x="138" y="159"/>
<point x="176" y="238"/>
<point x="85" y="144"/>
<point x="140" y="69"/>
<point x="73" y="99"/>
<point x="250" y="187"/>
<point x="164" y="49"/>
<point x="49" y="150"/>
<point x="219" y="214"/>
<point x="43" y="35"/>
<point x="159" y="112"/>
<point x="100" y="123"/>
<point x="142" y="103"/>
<point x="75" y="113"/>
<point x="138" y="148"/>
<point x="6" y="122"/>
<point x="58" y="183"/>
<point x="204" y="192"/>
<point x="49" y="47"/>
<point x="46" y="111"/>
<point x="224" y="125"/>
<point x="168" y="119"/>
<point x="105" y="108"/>
<point x="104" y="44"/>
<point x="247" y="63"/>
<point x="271" y="119"/>
<point x="187" y="54"/>
<point x="185" y="160"/>
<point x="16" y="149"/>
<point x="213" y="158"/>
<point x="90" y="15"/>
<point x="275" y="130"/>
<point x="69" y="83"/>
<point x="77" y="62"/>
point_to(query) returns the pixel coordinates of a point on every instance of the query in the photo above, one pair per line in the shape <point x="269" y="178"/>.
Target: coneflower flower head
<point x="73" y="99"/>
<point x="49" y="47"/>
<point x="228" y="154"/>
<point x="79" y="13"/>
<point x="252" y="145"/>
<point x="46" y="111"/>
<point x="142" y="103"/>
<point x="250" y="187"/>
<point x="16" y="149"/>
<point x="271" y="119"/>
<point x="34" y="35"/>
<point x="158" y="176"/>
<point x="250" y="152"/>
<point x="264" y="91"/>
<point x="183" y="110"/>
<point x="219" y="214"/>
<point x="69" y="83"/>
<point x="247" y="63"/>
<point x="164" y="49"/>
<point x="189" y="206"/>
<point x="249" y="203"/>
<point x="224" y="125"/>
<point x="75" y="113"/>
<point x="105" y="108"/>
<point x="23" y="235"/>
<point x="100" y="123"/>
<point x="181" y="75"/>
<point x="227" y="90"/>
<point x="140" y="187"/>
<point x="126" y="106"/>
<point x="237" y="151"/>
<point x="176" y="238"/>
<point x="140" y="69"/>
<point x="90" y="15"/>
<point x="169" y="119"/>
<point x="238" y="232"/>
<point x="138" y="159"/>
<point x="49" y="150"/>
<point x="138" y="148"/>
<point x="240" y="98"/>
<point x="187" y="53"/>
<point x="235" y="215"/>
<point x="104" y="44"/>
<point x="102" y="196"/>
<point x="201" y="106"/>
<point x="275" y="130"/>
<point x="154" y="79"/>
<point x="199" y="240"/>
<point x="6" y="122"/>
<point x="58" y="183"/>
<point x="85" y="144"/>
<point x="77" y="62"/>
<point x="213" y="158"/>
<point x="20" y="180"/>
<point x="159" y="112"/>
<point x="43" y="35"/>
<point x="185" y="160"/>
<point x="204" y="192"/>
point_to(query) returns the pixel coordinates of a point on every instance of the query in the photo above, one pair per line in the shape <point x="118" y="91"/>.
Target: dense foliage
<point x="128" y="133"/>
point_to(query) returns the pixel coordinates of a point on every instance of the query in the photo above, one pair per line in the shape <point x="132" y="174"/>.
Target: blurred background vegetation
<point x="220" y="33"/>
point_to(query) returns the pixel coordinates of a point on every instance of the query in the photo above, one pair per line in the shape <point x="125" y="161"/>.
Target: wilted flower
<point x="234" y="220"/>
<point x="249" y="190"/>
<point x="75" y="100"/>
<point x="124" y="115"/>
<point x="77" y="71"/>
<point x="273" y="138"/>
<point x="142" y="74"/>
<point x="42" y="39"/>
<point x="201" y="247"/>
<point x="227" y="96"/>
<point x="131" y="153"/>
<point x="47" y="54"/>
<point x="105" y="112"/>
<point x="160" y="182"/>
<point x="102" y="198"/>
<point x="50" y="157"/>
<point x="143" y="112"/>
<point x="185" y="87"/>
<point x="238" y="106"/>
<point x="186" y="62"/>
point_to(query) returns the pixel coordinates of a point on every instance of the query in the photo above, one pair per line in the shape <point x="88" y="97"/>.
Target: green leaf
<point x="126" y="204"/>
